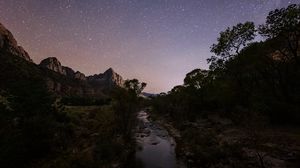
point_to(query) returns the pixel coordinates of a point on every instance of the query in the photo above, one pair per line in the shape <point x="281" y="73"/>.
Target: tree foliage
<point x="196" y="78"/>
<point x="282" y="21"/>
<point x="126" y="104"/>
<point x="284" y="24"/>
<point x="135" y="86"/>
<point x="231" y="41"/>
<point x="245" y="78"/>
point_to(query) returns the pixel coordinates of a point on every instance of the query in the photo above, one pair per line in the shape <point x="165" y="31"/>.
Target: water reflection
<point x="155" y="148"/>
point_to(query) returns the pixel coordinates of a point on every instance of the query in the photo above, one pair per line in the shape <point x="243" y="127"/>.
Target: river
<point x="155" y="147"/>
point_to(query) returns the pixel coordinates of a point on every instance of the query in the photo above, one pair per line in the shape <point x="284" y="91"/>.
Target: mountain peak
<point x="109" y="78"/>
<point x="53" y="64"/>
<point x="51" y="59"/>
<point x="110" y="71"/>
<point x="9" y="44"/>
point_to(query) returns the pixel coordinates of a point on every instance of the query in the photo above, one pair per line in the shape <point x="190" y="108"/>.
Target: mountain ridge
<point x="109" y="76"/>
<point x="61" y="80"/>
<point x="10" y="44"/>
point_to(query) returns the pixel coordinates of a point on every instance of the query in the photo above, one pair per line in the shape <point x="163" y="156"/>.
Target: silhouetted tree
<point x="125" y="105"/>
<point x="284" y="23"/>
<point x="230" y="42"/>
<point x="135" y="86"/>
<point x="244" y="75"/>
<point x="196" y="78"/>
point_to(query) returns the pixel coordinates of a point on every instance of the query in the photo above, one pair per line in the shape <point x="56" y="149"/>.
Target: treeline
<point x="246" y="78"/>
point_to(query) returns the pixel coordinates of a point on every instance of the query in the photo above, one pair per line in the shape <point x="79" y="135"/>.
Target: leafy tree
<point x="281" y="21"/>
<point x="125" y="106"/>
<point x="233" y="39"/>
<point x="177" y="89"/>
<point x="135" y="86"/>
<point x="196" y="78"/>
<point x="230" y="42"/>
<point x="284" y="23"/>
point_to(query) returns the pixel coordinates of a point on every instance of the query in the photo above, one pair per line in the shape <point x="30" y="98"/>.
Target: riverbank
<point x="214" y="141"/>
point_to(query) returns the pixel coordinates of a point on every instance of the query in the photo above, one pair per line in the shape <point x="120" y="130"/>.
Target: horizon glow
<point x="155" y="41"/>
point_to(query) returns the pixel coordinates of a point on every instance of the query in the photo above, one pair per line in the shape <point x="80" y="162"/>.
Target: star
<point x="159" y="39"/>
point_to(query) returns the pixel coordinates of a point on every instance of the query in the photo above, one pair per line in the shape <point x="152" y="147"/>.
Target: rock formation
<point x="79" y="75"/>
<point x="69" y="72"/>
<point x="109" y="78"/>
<point x="9" y="44"/>
<point x="66" y="81"/>
<point x="53" y="64"/>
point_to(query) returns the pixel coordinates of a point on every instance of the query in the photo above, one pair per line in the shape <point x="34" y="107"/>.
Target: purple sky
<point x="156" y="41"/>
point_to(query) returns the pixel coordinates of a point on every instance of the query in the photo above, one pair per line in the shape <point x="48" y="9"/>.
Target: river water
<point x="156" y="149"/>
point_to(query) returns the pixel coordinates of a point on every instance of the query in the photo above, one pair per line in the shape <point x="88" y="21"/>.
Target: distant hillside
<point x="61" y="80"/>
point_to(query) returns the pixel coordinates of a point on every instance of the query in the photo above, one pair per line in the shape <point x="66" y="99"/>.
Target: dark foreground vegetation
<point x="243" y="111"/>
<point x="37" y="129"/>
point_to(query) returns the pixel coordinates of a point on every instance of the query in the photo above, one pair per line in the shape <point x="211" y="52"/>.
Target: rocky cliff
<point x="109" y="78"/>
<point x="59" y="79"/>
<point x="9" y="44"/>
<point x="53" y="64"/>
<point x="69" y="72"/>
<point x="93" y="84"/>
<point x="80" y="76"/>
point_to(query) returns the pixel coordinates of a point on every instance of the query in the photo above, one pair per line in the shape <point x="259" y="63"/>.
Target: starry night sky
<point x="156" y="41"/>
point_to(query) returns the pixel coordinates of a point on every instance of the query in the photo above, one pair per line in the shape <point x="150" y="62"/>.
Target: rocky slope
<point x="108" y="79"/>
<point x="9" y="44"/>
<point x="53" y="64"/>
<point x="92" y="85"/>
<point x="59" y="79"/>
